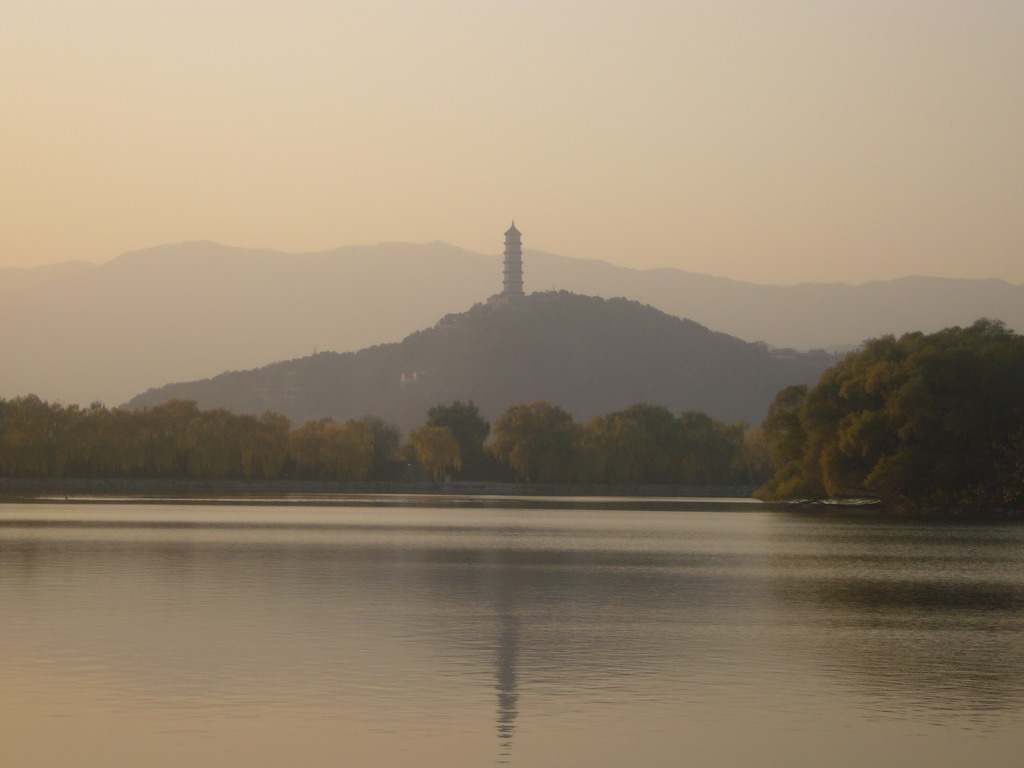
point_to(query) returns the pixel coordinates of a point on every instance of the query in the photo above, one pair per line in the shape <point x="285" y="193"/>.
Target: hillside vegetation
<point x="589" y="355"/>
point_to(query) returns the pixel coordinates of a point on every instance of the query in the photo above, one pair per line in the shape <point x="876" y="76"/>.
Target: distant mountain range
<point x="587" y="354"/>
<point x="80" y="332"/>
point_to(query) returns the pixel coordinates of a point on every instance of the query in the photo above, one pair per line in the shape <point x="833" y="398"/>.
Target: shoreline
<point x="26" y="488"/>
<point x="29" y="490"/>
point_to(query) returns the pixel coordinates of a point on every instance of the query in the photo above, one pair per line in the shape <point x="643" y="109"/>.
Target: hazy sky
<point x="766" y="140"/>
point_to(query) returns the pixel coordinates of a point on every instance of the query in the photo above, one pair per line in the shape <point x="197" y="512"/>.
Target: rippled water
<point x="430" y="631"/>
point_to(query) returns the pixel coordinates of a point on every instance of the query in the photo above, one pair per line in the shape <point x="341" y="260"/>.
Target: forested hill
<point x="588" y="355"/>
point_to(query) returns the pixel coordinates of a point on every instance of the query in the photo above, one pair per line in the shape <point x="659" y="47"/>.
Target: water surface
<point x="436" y="631"/>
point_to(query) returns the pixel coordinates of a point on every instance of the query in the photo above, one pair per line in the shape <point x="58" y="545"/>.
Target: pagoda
<point x="512" y="283"/>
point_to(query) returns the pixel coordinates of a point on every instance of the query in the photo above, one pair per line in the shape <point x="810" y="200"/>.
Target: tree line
<point x="541" y="442"/>
<point x="178" y="440"/>
<point x="923" y="421"/>
<point x="926" y="420"/>
<point x="536" y="442"/>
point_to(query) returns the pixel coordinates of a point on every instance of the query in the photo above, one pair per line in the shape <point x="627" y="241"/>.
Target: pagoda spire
<point x="513" y="282"/>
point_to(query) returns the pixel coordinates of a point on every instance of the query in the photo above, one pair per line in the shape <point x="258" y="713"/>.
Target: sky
<point x="775" y="141"/>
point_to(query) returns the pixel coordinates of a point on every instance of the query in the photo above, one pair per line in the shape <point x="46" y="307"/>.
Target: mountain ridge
<point x="185" y="311"/>
<point x="174" y="249"/>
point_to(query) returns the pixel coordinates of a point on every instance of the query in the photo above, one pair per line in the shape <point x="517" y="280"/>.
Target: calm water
<point x="369" y="631"/>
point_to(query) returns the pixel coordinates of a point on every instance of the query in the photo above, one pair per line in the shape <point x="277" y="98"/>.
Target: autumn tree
<point x="326" y="450"/>
<point x="213" y="444"/>
<point x="437" y="450"/>
<point x="101" y="442"/>
<point x="637" y="445"/>
<point x="165" y="427"/>
<point x="264" y="446"/>
<point x="538" y="442"/>
<point x="30" y="430"/>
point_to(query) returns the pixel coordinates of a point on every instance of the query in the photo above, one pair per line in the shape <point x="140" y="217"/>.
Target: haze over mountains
<point x="79" y="332"/>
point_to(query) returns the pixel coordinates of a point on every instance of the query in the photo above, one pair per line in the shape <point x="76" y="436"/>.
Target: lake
<point x="439" y="631"/>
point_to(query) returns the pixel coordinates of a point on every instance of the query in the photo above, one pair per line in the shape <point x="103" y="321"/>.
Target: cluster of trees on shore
<point x="538" y="442"/>
<point x="541" y="442"/>
<point x="178" y="440"/>
<point x="926" y="420"/>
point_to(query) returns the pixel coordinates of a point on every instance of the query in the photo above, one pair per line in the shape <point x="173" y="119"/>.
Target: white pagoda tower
<point x="513" y="283"/>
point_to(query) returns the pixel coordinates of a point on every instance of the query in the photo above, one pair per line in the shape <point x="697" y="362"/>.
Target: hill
<point x="587" y="354"/>
<point x="81" y="332"/>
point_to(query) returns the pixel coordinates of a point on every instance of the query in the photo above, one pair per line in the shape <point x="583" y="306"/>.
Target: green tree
<point x="711" y="452"/>
<point x="757" y="460"/>
<point x="783" y="442"/>
<point x="387" y="441"/>
<point x="925" y="420"/>
<point x="470" y="431"/>
<point x="436" y="449"/>
<point x="784" y="433"/>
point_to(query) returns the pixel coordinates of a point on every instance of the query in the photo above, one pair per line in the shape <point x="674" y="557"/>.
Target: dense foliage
<point x="931" y="420"/>
<point x="436" y="449"/>
<point x="538" y="442"/>
<point x="177" y="440"/>
<point x="923" y="420"/>
<point x="469" y="430"/>
<point x="642" y="444"/>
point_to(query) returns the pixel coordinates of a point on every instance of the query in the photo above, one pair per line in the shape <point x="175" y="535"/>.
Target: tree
<point x="264" y="446"/>
<point x="538" y="442"/>
<point x="214" y="445"/>
<point x="387" y="441"/>
<point x="166" y="426"/>
<point x="783" y="431"/>
<point x="637" y="445"/>
<point x="758" y="465"/>
<point x="711" y="452"/>
<point x="437" y="450"/>
<point x="325" y="450"/>
<point x="97" y="442"/>
<point x="30" y="431"/>
<point x="925" y="420"/>
<point x="469" y="429"/>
